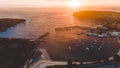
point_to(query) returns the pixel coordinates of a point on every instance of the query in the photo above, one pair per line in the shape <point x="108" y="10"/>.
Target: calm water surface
<point x="42" y="20"/>
<point x="38" y="21"/>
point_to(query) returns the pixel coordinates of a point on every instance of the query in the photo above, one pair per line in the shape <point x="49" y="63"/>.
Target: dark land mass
<point x="6" y="23"/>
<point x="96" y="65"/>
<point x="14" y="53"/>
<point x="108" y="19"/>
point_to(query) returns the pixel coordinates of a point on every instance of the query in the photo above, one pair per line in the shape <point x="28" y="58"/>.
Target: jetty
<point x="39" y="39"/>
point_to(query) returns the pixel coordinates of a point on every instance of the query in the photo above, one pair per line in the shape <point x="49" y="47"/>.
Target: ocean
<point x="38" y="21"/>
<point x="42" y="20"/>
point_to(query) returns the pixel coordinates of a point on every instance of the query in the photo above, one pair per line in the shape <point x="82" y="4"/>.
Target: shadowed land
<point x="15" y="53"/>
<point x="96" y="65"/>
<point x="19" y="53"/>
<point x="6" y="23"/>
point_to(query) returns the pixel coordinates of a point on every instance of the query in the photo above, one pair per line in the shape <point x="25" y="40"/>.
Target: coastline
<point x="6" y="23"/>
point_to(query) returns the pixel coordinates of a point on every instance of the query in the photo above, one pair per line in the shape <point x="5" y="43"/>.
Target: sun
<point x="75" y="3"/>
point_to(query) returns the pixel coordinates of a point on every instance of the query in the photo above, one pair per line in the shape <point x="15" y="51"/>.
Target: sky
<point x="53" y="3"/>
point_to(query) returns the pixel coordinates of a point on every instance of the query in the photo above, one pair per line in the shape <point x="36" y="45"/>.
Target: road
<point x="45" y="61"/>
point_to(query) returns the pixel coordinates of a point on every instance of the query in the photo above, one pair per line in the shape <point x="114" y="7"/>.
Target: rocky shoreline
<point x="6" y="23"/>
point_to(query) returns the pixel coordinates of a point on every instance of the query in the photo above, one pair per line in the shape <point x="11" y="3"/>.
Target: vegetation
<point x="108" y="19"/>
<point x="57" y="66"/>
<point x="94" y="65"/>
<point x="14" y="53"/>
<point x="6" y="23"/>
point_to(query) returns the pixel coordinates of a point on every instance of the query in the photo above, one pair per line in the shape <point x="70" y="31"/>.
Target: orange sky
<point x="52" y="3"/>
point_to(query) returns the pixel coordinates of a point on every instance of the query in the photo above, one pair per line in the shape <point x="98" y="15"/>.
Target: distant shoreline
<point x="108" y="19"/>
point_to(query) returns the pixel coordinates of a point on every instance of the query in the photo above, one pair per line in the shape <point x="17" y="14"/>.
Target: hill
<point x="108" y="19"/>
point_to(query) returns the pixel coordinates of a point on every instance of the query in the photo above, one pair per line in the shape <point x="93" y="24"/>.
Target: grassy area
<point x="14" y="53"/>
<point x="108" y="19"/>
<point x="7" y="23"/>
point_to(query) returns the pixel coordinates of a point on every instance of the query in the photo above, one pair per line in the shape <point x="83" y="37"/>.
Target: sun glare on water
<point x="75" y="3"/>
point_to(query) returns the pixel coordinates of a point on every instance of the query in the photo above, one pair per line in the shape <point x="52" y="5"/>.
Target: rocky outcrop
<point x="6" y="23"/>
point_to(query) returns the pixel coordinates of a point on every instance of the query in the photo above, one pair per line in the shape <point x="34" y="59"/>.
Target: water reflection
<point x="71" y="44"/>
<point x="38" y="22"/>
<point x="68" y="44"/>
<point x="41" y="21"/>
